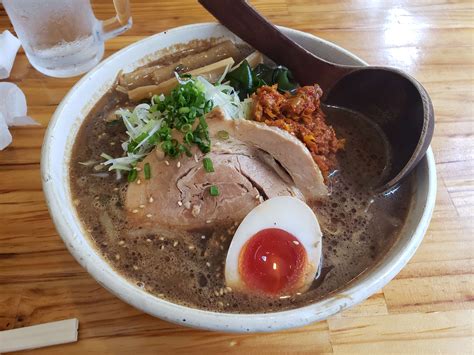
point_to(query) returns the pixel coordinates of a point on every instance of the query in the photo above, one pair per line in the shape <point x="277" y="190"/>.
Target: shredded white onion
<point x="225" y="97"/>
<point x="141" y="121"/>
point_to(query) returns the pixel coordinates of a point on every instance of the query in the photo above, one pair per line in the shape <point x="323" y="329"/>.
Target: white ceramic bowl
<point x="54" y="171"/>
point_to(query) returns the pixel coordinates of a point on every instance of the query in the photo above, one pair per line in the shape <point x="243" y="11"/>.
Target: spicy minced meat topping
<point x="301" y="115"/>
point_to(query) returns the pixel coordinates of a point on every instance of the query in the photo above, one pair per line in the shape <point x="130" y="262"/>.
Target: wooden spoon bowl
<point x="392" y="99"/>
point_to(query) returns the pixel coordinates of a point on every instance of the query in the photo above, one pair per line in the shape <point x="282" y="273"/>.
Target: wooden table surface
<point x="427" y="308"/>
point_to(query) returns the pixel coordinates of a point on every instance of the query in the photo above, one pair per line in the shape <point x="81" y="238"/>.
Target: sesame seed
<point x="175" y="243"/>
<point x="257" y="197"/>
<point x="151" y="199"/>
<point x="284" y="297"/>
<point x="161" y="295"/>
<point x="138" y="169"/>
<point x="178" y="164"/>
<point x="296" y="243"/>
<point x="142" y="206"/>
<point x="139" y="182"/>
<point x="196" y="158"/>
<point x="216" y="292"/>
<point x="162" y="238"/>
<point x="220" y="304"/>
<point x="135" y="267"/>
<point x="208" y="264"/>
<point x="167" y="162"/>
<point x="191" y="247"/>
<point x="122" y="242"/>
<point x="117" y="257"/>
<point x="221" y="291"/>
<point x="298" y="293"/>
<point x="148" y="215"/>
<point x="208" y="221"/>
<point x="112" y="143"/>
<point x="228" y="289"/>
<point x="233" y="343"/>
<point x="135" y="211"/>
<point x="116" y="188"/>
<point x="148" y="240"/>
<point x="203" y="237"/>
<point x="180" y="203"/>
<point x="187" y="205"/>
<point x="261" y="199"/>
<point x="162" y="247"/>
<point x="196" y="210"/>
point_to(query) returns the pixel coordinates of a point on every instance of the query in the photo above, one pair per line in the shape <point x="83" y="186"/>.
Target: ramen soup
<point x="210" y="179"/>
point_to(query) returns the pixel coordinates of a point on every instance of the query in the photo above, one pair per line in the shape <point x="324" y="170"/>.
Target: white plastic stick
<point x="38" y="336"/>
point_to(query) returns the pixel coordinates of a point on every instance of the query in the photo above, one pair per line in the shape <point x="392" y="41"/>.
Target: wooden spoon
<point x="392" y="99"/>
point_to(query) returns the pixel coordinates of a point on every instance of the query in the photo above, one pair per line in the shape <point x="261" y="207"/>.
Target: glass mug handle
<point x="118" y="24"/>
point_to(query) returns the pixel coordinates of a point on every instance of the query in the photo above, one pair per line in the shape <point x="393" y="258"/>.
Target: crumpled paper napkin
<point x="12" y="111"/>
<point x="9" y="46"/>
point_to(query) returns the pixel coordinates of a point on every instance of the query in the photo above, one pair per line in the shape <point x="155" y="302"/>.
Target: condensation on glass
<point x="62" y="38"/>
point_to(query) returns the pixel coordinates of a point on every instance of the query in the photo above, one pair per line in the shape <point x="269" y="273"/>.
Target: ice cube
<point x="12" y="102"/>
<point x="5" y="135"/>
<point x="12" y="111"/>
<point x="9" y="45"/>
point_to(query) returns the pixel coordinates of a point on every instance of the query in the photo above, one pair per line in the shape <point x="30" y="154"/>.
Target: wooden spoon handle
<point x="243" y="20"/>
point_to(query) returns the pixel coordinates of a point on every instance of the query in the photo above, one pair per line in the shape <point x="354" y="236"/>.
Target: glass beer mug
<point x="62" y="38"/>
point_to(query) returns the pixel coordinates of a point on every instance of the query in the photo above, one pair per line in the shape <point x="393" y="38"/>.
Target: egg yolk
<point x="272" y="261"/>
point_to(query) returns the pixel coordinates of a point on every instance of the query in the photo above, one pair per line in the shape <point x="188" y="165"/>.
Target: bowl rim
<point x="353" y="294"/>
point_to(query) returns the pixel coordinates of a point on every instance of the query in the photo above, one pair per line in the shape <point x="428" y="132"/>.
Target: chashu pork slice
<point x="286" y="149"/>
<point x="245" y="172"/>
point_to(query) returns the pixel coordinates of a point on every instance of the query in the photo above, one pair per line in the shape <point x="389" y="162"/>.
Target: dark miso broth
<point x="188" y="267"/>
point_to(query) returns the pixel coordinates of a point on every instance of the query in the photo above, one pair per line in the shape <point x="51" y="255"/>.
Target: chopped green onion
<point x="132" y="175"/>
<point x="189" y="137"/>
<point x="174" y="122"/>
<point x="208" y="166"/>
<point x="223" y="135"/>
<point x="186" y="128"/>
<point x="147" y="171"/>
<point x="183" y="149"/>
<point x="213" y="190"/>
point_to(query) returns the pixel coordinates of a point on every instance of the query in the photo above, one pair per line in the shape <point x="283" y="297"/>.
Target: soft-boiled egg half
<point x="276" y="250"/>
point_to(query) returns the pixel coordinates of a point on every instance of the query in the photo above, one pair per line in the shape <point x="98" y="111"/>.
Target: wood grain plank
<point x="8" y="310"/>
<point x="431" y="39"/>
<point x="411" y="333"/>
<point x="375" y="305"/>
<point x="431" y="294"/>
<point x="312" y="340"/>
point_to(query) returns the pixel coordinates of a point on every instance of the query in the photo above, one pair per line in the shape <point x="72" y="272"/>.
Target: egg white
<point x="289" y="214"/>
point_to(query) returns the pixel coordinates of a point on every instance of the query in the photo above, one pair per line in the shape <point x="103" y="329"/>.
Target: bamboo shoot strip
<point x="253" y="59"/>
<point x="211" y="72"/>
<point x="157" y="74"/>
<point x="38" y="336"/>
